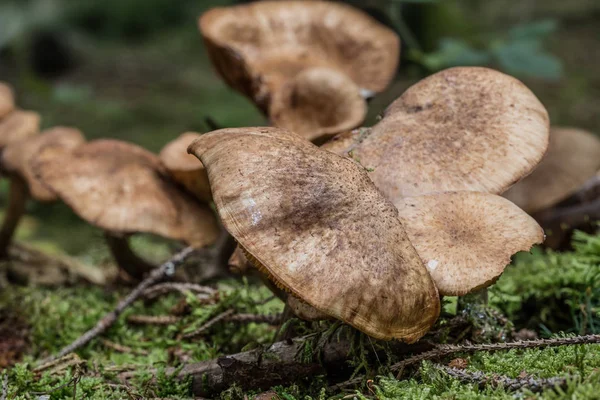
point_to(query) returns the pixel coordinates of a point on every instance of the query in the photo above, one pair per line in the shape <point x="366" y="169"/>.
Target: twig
<point x="208" y="324"/>
<point x="510" y="384"/>
<point x="4" y="387"/>
<point x="272" y="319"/>
<point x="153" y="319"/>
<point x="166" y="269"/>
<point x="122" y="348"/>
<point x="446" y="350"/>
<point x="166" y="287"/>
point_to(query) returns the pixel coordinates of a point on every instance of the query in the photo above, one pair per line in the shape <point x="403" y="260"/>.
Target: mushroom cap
<point x="17" y="157"/>
<point x="318" y="103"/>
<point x="186" y="169"/>
<point x="304" y="311"/>
<point x="123" y="188"/>
<point x="466" y="239"/>
<point x="465" y="128"/>
<point x="7" y="99"/>
<point x="318" y="226"/>
<point x="261" y="47"/>
<point x="17" y="125"/>
<point x="573" y="157"/>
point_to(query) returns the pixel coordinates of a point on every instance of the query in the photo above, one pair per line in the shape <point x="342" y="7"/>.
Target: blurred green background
<point x="137" y="70"/>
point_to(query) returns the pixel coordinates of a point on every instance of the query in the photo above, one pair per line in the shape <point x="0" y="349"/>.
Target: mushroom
<point x="16" y="162"/>
<point x="305" y="64"/>
<point x="7" y="100"/>
<point x="316" y="224"/>
<point x="17" y="125"/>
<point x="124" y="189"/>
<point x="185" y="168"/>
<point x="464" y="128"/>
<point x="573" y="157"/>
<point x="466" y="239"/>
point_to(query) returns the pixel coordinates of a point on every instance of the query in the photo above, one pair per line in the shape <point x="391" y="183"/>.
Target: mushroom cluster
<point x="573" y="158"/>
<point x="308" y="65"/>
<point x="372" y="226"/>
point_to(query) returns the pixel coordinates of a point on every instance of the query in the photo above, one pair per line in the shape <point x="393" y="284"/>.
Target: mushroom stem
<point x="17" y="199"/>
<point x="126" y="259"/>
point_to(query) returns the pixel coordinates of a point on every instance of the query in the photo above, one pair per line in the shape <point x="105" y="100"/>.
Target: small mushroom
<point x="266" y="49"/>
<point x="316" y="224"/>
<point x="186" y="169"/>
<point x="16" y="162"/>
<point x="465" y="128"/>
<point x="318" y="103"/>
<point x="304" y="311"/>
<point x="7" y="100"/>
<point x="17" y="125"/>
<point x="466" y="239"/>
<point x="573" y="157"/>
<point x="124" y="189"/>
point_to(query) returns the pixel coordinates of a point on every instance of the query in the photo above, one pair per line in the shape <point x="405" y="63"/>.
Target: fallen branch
<point x="280" y="364"/>
<point x="206" y="326"/>
<point x="153" y="319"/>
<point x="166" y="269"/>
<point x="510" y="384"/>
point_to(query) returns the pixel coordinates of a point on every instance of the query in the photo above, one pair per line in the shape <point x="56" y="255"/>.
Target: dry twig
<point x="153" y="319"/>
<point x="181" y="287"/>
<point x="4" y="387"/>
<point x="166" y="269"/>
<point x="208" y="324"/>
<point x="122" y="348"/>
<point x="271" y="319"/>
<point x="446" y="350"/>
<point x="510" y="384"/>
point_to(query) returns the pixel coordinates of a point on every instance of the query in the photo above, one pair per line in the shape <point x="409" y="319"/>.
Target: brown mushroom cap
<point x="123" y="188"/>
<point x="460" y="129"/>
<point x="7" y="99"/>
<point x="18" y="125"/>
<point x="238" y="262"/>
<point x="573" y="157"/>
<point x="261" y="47"/>
<point x="318" y="103"/>
<point x="466" y="239"/>
<point x="17" y="157"/>
<point x="318" y="226"/>
<point x="186" y="169"/>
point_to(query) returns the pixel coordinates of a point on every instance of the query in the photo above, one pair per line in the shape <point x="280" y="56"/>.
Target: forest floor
<point x="149" y="93"/>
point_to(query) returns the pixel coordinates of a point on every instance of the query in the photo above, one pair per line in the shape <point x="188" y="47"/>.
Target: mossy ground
<point x="563" y="286"/>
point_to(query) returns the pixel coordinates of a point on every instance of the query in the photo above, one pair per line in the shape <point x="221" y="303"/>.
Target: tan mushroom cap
<point x="17" y="125"/>
<point x="318" y="103"/>
<point x="186" y="169"/>
<point x="121" y="187"/>
<point x="573" y="157"/>
<point x="261" y="47"/>
<point x="7" y="99"/>
<point x="466" y="239"/>
<point x="17" y="157"/>
<point x="305" y="311"/>
<point x="318" y="226"/>
<point x="465" y="128"/>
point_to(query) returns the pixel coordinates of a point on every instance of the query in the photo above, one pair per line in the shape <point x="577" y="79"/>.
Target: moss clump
<point x="552" y="291"/>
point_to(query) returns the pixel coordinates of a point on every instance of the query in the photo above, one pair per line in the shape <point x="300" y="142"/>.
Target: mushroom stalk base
<point x="17" y="199"/>
<point x="126" y="259"/>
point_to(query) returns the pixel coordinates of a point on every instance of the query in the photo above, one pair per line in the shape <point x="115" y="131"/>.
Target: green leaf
<point x="527" y="58"/>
